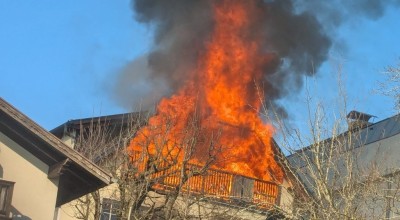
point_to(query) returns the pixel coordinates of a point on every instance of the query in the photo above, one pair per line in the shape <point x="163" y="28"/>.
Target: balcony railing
<point x="218" y="185"/>
<point x="6" y="191"/>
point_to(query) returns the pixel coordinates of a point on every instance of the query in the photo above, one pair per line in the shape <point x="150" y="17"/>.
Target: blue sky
<point x="366" y="48"/>
<point x="57" y="58"/>
<point x="56" y="55"/>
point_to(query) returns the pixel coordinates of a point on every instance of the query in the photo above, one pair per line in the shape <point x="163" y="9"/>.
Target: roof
<point x="371" y="133"/>
<point x="115" y="125"/>
<point x="117" y="121"/>
<point x="77" y="175"/>
<point x="122" y="120"/>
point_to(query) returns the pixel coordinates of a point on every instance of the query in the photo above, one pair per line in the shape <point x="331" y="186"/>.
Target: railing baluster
<point x="214" y="183"/>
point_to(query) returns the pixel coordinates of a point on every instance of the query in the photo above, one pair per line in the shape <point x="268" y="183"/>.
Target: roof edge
<point x="52" y="140"/>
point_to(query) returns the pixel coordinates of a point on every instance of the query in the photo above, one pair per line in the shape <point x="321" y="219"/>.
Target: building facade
<point x="354" y="173"/>
<point x="38" y="172"/>
<point x="219" y="193"/>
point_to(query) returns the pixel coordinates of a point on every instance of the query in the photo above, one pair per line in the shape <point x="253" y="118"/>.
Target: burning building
<point x="207" y="137"/>
<point x="224" y="62"/>
<point x="222" y="91"/>
<point x="218" y="190"/>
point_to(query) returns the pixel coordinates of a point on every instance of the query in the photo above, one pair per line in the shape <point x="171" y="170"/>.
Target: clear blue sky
<point x="57" y="58"/>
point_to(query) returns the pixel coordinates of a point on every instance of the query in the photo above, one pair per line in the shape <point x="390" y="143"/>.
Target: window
<point x="109" y="209"/>
<point x="6" y="191"/>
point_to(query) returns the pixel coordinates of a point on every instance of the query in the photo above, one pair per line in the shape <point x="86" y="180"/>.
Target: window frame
<point x="9" y="189"/>
<point x="110" y="212"/>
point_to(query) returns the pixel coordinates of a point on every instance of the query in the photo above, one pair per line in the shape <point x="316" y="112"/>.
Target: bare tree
<point x="151" y="165"/>
<point x="342" y="173"/>
<point x="338" y="176"/>
<point x="94" y="142"/>
<point x="391" y="85"/>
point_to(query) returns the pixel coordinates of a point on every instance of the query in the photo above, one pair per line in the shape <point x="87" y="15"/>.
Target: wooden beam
<point x="55" y="170"/>
<point x="23" y="138"/>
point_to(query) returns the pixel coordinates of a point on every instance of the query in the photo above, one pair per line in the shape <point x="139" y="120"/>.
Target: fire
<point x="222" y="92"/>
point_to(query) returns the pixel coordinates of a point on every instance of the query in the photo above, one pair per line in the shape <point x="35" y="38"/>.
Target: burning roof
<point x="222" y="94"/>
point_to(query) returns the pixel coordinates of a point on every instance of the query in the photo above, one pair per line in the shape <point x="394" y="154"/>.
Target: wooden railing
<point x="216" y="184"/>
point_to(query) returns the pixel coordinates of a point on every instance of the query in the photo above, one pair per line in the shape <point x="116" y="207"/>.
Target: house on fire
<point x="38" y="172"/>
<point x="217" y="193"/>
<point x="45" y="175"/>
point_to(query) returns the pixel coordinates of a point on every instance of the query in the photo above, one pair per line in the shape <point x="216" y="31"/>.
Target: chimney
<point x="358" y="120"/>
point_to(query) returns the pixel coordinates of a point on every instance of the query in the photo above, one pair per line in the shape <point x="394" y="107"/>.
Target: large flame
<point x="222" y="91"/>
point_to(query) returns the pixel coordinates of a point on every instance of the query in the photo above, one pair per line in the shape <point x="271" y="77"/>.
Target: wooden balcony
<point x="217" y="185"/>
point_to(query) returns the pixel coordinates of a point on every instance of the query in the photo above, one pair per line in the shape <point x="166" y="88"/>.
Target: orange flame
<point x="223" y="89"/>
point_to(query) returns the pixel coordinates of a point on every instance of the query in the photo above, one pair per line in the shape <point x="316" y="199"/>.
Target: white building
<point x="365" y="161"/>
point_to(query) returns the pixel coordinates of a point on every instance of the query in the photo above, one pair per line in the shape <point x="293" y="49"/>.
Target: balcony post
<point x="279" y="195"/>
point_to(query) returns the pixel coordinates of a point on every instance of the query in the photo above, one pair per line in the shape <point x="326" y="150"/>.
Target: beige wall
<point x="206" y="210"/>
<point x="286" y="199"/>
<point x="34" y="194"/>
<point x="69" y="211"/>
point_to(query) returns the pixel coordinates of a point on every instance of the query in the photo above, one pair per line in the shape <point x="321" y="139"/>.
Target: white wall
<point x="34" y="194"/>
<point x="376" y="159"/>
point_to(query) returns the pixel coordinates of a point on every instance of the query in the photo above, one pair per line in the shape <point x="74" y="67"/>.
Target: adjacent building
<point x="356" y="171"/>
<point x="38" y="172"/>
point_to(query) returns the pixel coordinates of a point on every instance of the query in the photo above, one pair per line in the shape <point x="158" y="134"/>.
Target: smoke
<point x="335" y="12"/>
<point x="136" y="88"/>
<point x="298" y="34"/>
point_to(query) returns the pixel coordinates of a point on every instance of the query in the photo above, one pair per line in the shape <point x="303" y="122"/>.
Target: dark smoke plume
<point x="299" y="33"/>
